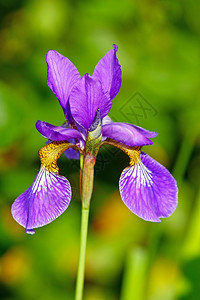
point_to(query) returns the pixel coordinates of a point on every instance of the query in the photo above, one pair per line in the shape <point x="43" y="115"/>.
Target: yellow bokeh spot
<point x="14" y="265"/>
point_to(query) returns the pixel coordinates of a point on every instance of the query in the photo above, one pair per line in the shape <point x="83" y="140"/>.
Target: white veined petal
<point x="148" y="189"/>
<point x="46" y="199"/>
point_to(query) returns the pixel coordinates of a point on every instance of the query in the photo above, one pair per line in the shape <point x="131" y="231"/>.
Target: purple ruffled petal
<point x="108" y="72"/>
<point x="46" y="199"/>
<point x="62" y="75"/>
<point x="57" y="133"/>
<point x="86" y="98"/>
<point x="126" y="134"/>
<point x="149" y="190"/>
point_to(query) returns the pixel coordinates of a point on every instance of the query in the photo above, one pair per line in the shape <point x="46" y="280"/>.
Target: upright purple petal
<point x="57" y="133"/>
<point x="46" y="199"/>
<point x="86" y="98"/>
<point x="108" y="72"/>
<point x="148" y="189"/>
<point x="62" y="75"/>
<point x="126" y="134"/>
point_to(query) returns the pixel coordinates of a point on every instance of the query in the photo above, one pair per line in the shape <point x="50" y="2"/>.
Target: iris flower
<point x="147" y="188"/>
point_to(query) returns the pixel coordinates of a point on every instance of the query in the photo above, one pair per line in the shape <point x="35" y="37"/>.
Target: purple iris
<point x="146" y="187"/>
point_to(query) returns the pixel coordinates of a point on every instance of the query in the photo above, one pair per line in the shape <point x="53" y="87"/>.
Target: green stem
<point x="81" y="161"/>
<point x="81" y="264"/>
<point x="184" y="154"/>
<point x="86" y="193"/>
<point x="134" y="282"/>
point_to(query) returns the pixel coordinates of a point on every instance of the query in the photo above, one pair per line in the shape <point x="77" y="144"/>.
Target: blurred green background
<point x="159" y="51"/>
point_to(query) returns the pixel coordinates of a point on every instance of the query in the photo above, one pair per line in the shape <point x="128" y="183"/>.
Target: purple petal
<point x="126" y="134"/>
<point x="71" y="153"/>
<point x="108" y="72"/>
<point x="148" y="189"/>
<point x="57" y="133"/>
<point x="30" y="231"/>
<point x="62" y="75"/>
<point x="46" y="199"/>
<point x="145" y="132"/>
<point x="86" y="98"/>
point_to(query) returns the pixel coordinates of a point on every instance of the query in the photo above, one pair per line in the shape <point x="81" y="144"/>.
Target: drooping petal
<point x="62" y="75"/>
<point x="126" y="134"/>
<point x="46" y="199"/>
<point x="108" y="72"/>
<point x="86" y="98"/>
<point x="57" y="133"/>
<point x="148" y="189"/>
<point x="145" y="132"/>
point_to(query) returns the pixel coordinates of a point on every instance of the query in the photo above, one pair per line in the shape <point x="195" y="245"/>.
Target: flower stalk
<point x="81" y="263"/>
<point x="87" y="180"/>
<point x="86" y="193"/>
